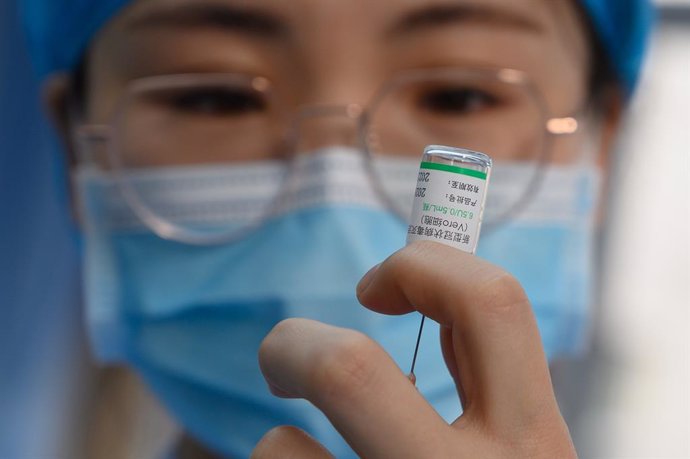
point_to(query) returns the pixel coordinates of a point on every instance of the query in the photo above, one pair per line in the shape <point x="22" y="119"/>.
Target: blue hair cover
<point x="59" y="31"/>
<point x="623" y="27"/>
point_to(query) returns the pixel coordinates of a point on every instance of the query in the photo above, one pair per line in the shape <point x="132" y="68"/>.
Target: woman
<point x="237" y="164"/>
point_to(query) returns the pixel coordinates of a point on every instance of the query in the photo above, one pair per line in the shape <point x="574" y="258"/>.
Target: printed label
<point x="448" y="206"/>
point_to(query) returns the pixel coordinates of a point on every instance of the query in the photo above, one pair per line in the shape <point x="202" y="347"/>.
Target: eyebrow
<point x="433" y="16"/>
<point x="230" y="18"/>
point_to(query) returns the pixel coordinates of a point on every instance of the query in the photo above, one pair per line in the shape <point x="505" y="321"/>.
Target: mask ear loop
<point x="589" y="170"/>
<point x="86" y="138"/>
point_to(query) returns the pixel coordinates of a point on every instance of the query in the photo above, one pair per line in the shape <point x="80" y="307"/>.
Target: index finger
<point x="352" y="380"/>
<point x="495" y="340"/>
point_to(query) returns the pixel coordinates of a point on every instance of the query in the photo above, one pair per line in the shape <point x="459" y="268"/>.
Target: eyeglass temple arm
<point x="86" y="135"/>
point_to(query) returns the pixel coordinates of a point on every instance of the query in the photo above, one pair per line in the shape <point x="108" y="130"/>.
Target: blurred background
<point x="629" y="399"/>
<point x="40" y="332"/>
<point x="634" y="389"/>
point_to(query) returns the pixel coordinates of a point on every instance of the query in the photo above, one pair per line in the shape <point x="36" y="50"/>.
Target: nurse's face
<point x="323" y="52"/>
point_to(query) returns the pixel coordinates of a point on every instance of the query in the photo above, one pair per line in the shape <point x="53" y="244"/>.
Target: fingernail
<point x="366" y="280"/>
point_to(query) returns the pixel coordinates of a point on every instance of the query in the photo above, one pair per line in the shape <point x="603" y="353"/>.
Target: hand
<point x="491" y="346"/>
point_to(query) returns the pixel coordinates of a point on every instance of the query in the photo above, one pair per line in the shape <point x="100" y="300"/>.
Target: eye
<point x="456" y="101"/>
<point x="217" y="101"/>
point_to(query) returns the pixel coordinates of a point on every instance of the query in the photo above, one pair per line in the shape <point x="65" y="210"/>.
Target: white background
<point x="632" y="398"/>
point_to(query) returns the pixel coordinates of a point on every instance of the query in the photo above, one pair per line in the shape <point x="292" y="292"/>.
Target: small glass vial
<point x="450" y="196"/>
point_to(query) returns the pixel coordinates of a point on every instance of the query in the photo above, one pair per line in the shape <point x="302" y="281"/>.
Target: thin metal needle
<point x="416" y="348"/>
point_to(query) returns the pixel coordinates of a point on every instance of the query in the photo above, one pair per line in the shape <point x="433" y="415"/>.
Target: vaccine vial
<point x="448" y="203"/>
<point x="450" y="197"/>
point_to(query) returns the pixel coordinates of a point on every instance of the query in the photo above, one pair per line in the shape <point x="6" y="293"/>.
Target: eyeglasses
<point x="226" y="119"/>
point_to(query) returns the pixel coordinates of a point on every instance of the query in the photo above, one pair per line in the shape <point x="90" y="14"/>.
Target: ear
<point x="56" y="99"/>
<point x="56" y="95"/>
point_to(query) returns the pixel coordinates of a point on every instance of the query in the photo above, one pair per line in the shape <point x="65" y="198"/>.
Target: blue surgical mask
<point x="190" y="318"/>
<point x="548" y="247"/>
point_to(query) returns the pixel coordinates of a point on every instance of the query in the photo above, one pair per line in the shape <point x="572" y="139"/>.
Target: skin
<point x="328" y="52"/>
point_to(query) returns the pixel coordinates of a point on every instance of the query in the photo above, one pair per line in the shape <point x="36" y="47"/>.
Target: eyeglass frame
<point x="87" y="133"/>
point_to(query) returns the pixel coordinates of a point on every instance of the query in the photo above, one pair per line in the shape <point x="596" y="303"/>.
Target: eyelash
<point x="217" y="101"/>
<point x="459" y="100"/>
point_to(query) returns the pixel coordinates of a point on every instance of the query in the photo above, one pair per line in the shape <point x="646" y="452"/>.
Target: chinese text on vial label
<point x="448" y="205"/>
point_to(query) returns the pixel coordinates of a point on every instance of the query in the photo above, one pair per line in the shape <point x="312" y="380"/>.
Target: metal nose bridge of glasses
<point x="340" y="134"/>
<point x="319" y="125"/>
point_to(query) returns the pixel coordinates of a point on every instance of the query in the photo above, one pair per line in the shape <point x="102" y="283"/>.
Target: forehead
<point x="312" y="39"/>
<point x="385" y="17"/>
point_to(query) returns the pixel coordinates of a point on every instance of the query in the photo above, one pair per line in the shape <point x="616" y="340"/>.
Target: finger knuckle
<point x="409" y="264"/>
<point x="410" y="256"/>
<point x="345" y="369"/>
<point x="502" y="295"/>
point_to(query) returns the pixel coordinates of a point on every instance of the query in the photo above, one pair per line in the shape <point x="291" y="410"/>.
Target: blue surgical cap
<point x="623" y="27"/>
<point x="59" y="31"/>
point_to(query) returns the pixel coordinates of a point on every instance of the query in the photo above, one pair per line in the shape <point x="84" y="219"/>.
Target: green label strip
<point x="453" y="169"/>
